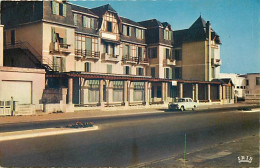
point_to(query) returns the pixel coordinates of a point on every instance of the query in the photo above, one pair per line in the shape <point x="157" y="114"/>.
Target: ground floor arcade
<point x="95" y="90"/>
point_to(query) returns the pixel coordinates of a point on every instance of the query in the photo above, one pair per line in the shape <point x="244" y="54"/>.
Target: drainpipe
<point x="208" y="62"/>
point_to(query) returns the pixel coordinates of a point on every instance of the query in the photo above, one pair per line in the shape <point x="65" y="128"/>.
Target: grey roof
<point x="196" y="32"/>
<point x="223" y="80"/>
<point x="101" y="10"/>
<point x="151" y="23"/>
<point x="126" y="20"/>
<point x="82" y="9"/>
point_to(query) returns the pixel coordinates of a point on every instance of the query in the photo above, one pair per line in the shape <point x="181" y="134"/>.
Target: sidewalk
<point x="39" y="117"/>
<point x="220" y="155"/>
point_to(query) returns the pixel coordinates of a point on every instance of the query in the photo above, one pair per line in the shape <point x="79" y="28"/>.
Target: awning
<point x="60" y="31"/>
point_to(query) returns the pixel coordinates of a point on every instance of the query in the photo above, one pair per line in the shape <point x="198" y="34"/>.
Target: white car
<point x="182" y="104"/>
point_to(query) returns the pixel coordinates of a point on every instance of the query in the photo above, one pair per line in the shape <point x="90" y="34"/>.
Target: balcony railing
<point x="143" y="61"/>
<point x="87" y="54"/>
<point x="110" y="57"/>
<point x="61" y="47"/>
<point x="130" y="59"/>
<point x="170" y="61"/>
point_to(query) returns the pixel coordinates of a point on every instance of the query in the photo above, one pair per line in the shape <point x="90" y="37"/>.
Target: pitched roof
<point x="126" y="20"/>
<point x="151" y="23"/>
<point x="101" y="10"/>
<point x="199" y="23"/>
<point x="167" y="24"/>
<point x="196" y="32"/>
<point x="223" y="81"/>
<point x="82" y="9"/>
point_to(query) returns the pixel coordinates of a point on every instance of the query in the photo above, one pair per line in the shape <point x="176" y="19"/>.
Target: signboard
<point x="174" y="83"/>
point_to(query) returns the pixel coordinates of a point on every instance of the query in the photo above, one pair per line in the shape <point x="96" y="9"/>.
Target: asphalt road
<point x="128" y="141"/>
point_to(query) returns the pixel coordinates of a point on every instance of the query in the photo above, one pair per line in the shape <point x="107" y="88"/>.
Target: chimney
<point x="208" y="30"/>
<point x="1" y="45"/>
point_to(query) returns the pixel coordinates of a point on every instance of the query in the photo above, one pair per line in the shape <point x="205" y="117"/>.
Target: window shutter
<point x="130" y="51"/>
<point x="170" y="35"/>
<point x="136" y="33"/>
<point x="164" y="34"/>
<point x="53" y="35"/>
<point x="53" y="4"/>
<point x="130" y="31"/>
<point x="124" y="30"/>
<point x="84" y="21"/>
<point x="164" y="72"/>
<point x="64" y="9"/>
<point x="173" y="54"/>
<point x="63" y="66"/>
<point x="65" y="38"/>
<point x="142" y="34"/>
<point x="109" y="68"/>
<point x="170" y="73"/>
<point x="57" y="8"/>
<point x="54" y="63"/>
<point x="129" y="70"/>
<point x="75" y="19"/>
<point x="88" y="44"/>
<point x="165" y="53"/>
<point x="92" y="23"/>
<point x="124" y="70"/>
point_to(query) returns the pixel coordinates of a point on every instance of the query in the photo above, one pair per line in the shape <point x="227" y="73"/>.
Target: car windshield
<point x="181" y="100"/>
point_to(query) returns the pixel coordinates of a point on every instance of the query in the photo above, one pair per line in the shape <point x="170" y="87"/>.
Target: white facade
<point x="239" y="82"/>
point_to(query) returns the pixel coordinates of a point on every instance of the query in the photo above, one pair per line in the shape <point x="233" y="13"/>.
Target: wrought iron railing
<point x="33" y="54"/>
<point x="87" y="53"/>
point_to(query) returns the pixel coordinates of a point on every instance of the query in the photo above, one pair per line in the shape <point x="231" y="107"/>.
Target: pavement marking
<point x="42" y="132"/>
<point x="208" y="156"/>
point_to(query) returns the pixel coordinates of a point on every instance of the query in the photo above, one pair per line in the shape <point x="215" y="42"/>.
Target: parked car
<point x="182" y="104"/>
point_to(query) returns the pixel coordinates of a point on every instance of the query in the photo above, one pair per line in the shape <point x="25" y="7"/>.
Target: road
<point x="127" y="141"/>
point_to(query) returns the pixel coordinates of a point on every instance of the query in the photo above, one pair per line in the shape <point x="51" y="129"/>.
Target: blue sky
<point x="236" y="21"/>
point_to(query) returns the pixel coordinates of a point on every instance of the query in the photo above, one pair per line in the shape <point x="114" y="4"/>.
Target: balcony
<point x="86" y="54"/>
<point x="110" y="57"/>
<point x="110" y="36"/>
<point x="60" y="47"/>
<point x="143" y="61"/>
<point x="169" y="61"/>
<point x="215" y="62"/>
<point x="130" y="59"/>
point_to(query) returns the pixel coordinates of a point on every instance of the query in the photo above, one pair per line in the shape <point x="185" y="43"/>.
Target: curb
<point x="42" y="132"/>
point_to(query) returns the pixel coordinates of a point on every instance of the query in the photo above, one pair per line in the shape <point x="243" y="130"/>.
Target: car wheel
<point x="182" y="108"/>
<point x="194" y="108"/>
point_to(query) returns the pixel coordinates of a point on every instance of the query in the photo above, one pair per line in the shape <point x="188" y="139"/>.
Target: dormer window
<point x="167" y="34"/>
<point x="109" y="26"/>
<point x="139" y="34"/>
<point x="127" y="30"/>
<point x="88" y="22"/>
<point x="58" y="8"/>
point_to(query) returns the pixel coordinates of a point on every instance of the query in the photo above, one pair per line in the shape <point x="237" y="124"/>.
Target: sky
<point x="237" y="22"/>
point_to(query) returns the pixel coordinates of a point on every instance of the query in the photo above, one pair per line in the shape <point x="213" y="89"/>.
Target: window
<point x="127" y="51"/>
<point x="139" y="52"/>
<point x="59" y="64"/>
<point x="257" y="80"/>
<point x="167" y="35"/>
<point x="59" y="35"/>
<point x="127" y="30"/>
<point x="153" y="72"/>
<point x="109" y="26"/>
<point x="178" y="73"/>
<point x="247" y="82"/>
<point x="178" y="55"/>
<point x="139" y="33"/>
<point x="140" y="71"/>
<point x="159" y="91"/>
<point x="167" y="53"/>
<point x="75" y="19"/>
<point x="109" y="68"/>
<point x="88" y="45"/>
<point x="88" y="22"/>
<point x="152" y="52"/>
<point x="12" y="37"/>
<point x="237" y="87"/>
<point x="241" y="87"/>
<point x="167" y="73"/>
<point x="58" y="8"/>
<point x="127" y="70"/>
<point x="4" y="38"/>
<point x="87" y="67"/>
